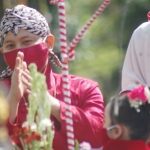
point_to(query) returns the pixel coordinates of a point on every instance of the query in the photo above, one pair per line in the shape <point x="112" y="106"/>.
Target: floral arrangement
<point x="37" y="132"/>
<point x="139" y="96"/>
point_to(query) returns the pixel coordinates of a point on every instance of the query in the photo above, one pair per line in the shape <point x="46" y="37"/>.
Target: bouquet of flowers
<point x="37" y="132"/>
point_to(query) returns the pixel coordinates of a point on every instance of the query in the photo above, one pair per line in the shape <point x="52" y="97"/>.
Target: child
<point x="127" y="121"/>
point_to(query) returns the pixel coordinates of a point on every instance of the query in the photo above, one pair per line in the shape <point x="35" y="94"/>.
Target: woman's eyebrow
<point x="8" y="41"/>
<point x="27" y="36"/>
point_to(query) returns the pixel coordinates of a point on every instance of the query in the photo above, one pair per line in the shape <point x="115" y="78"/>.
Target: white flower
<point x="32" y="126"/>
<point x="147" y="93"/>
<point x="135" y="104"/>
<point x="25" y="124"/>
<point x="85" y="146"/>
<point x="44" y="123"/>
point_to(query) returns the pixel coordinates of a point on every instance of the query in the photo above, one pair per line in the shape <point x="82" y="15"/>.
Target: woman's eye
<point x="27" y="42"/>
<point x="10" y="46"/>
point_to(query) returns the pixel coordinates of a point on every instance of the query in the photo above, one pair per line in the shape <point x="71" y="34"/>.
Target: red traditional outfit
<point x="125" y="145"/>
<point x="87" y="108"/>
<point x="110" y="144"/>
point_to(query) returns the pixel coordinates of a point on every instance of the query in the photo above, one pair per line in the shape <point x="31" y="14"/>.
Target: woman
<point x="25" y="38"/>
<point x="136" y="68"/>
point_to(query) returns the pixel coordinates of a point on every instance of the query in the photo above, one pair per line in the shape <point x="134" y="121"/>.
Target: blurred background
<point x="101" y="51"/>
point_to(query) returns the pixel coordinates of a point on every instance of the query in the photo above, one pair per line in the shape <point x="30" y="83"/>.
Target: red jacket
<point x="125" y="145"/>
<point x="110" y="144"/>
<point x="87" y="108"/>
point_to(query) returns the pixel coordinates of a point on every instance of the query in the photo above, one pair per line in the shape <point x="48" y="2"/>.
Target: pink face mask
<point x="37" y="54"/>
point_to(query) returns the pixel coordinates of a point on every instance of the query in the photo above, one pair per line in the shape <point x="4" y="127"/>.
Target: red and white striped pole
<point x="65" y="72"/>
<point x="73" y="44"/>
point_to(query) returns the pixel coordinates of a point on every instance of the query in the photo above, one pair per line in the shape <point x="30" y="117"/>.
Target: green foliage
<point x="101" y="65"/>
<point x="76" y="145"/>
<point x="100" y="54"/>
<point x="39" y="110"/>
<point x="101" y="51"/>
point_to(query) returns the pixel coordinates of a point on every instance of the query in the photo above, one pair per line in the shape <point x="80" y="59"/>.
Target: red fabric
<point x="126" y="145"/>
<point x="110" y="144"/>
<point x="87" y="109"/>
<point x="34" y="54"/>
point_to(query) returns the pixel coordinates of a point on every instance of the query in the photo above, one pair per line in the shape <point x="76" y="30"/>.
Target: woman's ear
<point x="50" y="39"/>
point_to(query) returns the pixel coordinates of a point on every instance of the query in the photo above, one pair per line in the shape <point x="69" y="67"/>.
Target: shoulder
<point x="76" y="80"/>
<point x="82" y="88"/>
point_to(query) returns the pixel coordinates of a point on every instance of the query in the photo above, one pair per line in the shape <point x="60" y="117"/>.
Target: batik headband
<point x="23" y="17"/>
<point x="139" y="96"/>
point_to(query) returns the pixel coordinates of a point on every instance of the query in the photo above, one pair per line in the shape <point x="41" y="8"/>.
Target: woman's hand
<point x="20" y="83"/>
<point x="17" y="88"/>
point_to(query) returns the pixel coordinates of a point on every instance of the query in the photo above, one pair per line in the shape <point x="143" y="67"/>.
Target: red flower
<point x="138" y="93"/>
<point x="15" y="140"/>
<point x="20" y="131"/>
<point x="33" y="136"/>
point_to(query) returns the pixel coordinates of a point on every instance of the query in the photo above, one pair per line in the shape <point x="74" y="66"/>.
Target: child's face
<point x="107" y="121"/>
<point x="116" y="131"/>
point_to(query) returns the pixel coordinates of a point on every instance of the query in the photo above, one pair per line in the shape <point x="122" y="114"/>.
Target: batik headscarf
<point x="23" y="17"/>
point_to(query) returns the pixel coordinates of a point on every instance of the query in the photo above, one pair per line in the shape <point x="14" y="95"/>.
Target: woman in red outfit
<point x="127" y="121"/>
<point x="25" y="38"/>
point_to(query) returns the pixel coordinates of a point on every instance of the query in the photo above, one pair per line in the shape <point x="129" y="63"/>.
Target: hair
<point x="137" y="122"/>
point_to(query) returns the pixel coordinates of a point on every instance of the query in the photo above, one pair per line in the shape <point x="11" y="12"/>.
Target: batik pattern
<point x="23" y="17"/>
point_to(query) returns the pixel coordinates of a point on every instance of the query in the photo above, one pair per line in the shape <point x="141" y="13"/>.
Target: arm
<point x="87" y="114"/>
<point x="55" y="107"/>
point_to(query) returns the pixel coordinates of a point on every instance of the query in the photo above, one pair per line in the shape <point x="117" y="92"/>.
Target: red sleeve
<point x="88" y="117"/>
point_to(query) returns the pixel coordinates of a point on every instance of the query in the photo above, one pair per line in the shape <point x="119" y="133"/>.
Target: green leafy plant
<point x="37" y="132"/>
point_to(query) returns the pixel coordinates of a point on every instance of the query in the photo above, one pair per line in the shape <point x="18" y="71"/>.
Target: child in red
<point x="127" y="121"/>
